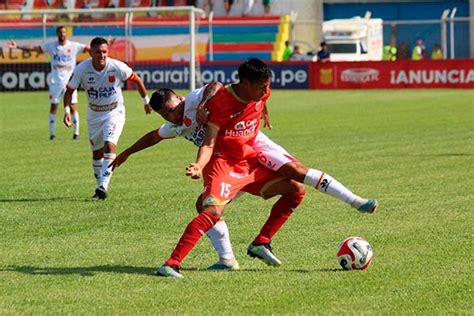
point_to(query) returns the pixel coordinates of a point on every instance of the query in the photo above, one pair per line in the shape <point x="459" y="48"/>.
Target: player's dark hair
<point x="254" y="70"/>
<point x="160" y="97"/>
<point x="97" y="41"/>
<point x="60" y="28"/>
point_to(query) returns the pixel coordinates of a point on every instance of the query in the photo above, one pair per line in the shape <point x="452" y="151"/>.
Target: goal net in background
<point x="163" y="45"/>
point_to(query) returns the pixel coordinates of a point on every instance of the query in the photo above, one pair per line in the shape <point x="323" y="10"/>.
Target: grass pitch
<point x="411" y="149"/>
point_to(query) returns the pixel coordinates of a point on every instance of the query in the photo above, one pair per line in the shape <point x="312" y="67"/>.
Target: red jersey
<point x="238" y="122"/>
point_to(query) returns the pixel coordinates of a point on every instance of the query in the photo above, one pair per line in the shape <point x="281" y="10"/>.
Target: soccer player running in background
<point x="228" y="163"/>
<point x="102" y="77"/>
<point x="63" y="61"/>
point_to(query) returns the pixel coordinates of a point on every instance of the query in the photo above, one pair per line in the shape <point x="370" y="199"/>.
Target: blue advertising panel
<point x="176" y="76"/>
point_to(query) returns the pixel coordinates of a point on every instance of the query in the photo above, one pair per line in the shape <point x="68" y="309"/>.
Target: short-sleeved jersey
<point x="238" y="122"/>
<point x="63" y="59"/>
<point x="190" y="128"/>
<point x="104" y="88"/>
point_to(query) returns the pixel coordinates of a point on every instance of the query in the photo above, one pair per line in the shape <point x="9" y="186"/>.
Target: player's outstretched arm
<point x="142" y="91"/>
<point x="194" y="170"/>
<point x="148" y="140"/>
<point x="67" y="106"/>
<point x="13" y="44"/>
<point x="210" y="91"/>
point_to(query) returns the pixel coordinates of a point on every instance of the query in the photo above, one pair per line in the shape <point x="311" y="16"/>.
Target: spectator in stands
<point x="86" y="5"/>
<point x="248" y="6"/>
<point x="228" y="6"/>
<point x="323" y="54"/>
<point x="417" y="52"/>
<point x="403" y="51"/>
<point x="390" y="52"/>
<point x="437" y="54"/>
<point x="267" y="6"/>
<point x="109" y="5"/>
<point x="299" y="55"/>
<point x="287" y="52"/>
<point x="206" y="5"/>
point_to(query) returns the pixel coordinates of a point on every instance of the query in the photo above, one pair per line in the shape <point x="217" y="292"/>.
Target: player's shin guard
<point x="196" y="228"/>
<point x="327" y="184"/>
<point x="105" y="171"/>
<point x="220" y="239"/>
<point x="52" y="124"/>
<point x="75" y="123"/>
<point x="281" y="211"/>
<point x="97" y="166"/>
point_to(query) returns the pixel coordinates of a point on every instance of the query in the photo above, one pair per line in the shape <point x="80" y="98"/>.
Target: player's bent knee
<point x="293" y="170"/>
<point x="215" y="210"/>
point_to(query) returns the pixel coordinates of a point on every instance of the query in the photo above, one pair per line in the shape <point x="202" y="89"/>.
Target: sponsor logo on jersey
<point x="62" y="58"/>
<point x="101" y="92"/>
<point x="235" y="114"/>
<point x="242" y="128"/>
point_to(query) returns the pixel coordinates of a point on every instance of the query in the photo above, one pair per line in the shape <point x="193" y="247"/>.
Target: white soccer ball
<point x="354" y="253"/>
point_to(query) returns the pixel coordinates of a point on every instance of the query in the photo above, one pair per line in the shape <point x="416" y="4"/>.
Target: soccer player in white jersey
<point x="63" y="60"/>
<point x="181" y="114"/>
<point x="102" y="77"/>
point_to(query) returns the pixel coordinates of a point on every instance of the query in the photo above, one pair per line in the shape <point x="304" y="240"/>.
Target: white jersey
<point x="63" y="59"/>
<point x="104" y="88"/>
<point x="269" y="154"/>
<point x="190" y="128"/>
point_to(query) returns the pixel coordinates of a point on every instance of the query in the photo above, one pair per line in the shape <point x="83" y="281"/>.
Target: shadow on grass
<point x="83" y="271"/>
<point x="51" y="199"/>
<point x="91" y="271"/>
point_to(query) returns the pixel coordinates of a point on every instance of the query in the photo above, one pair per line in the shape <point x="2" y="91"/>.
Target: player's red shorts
<point x="224" y="179"/>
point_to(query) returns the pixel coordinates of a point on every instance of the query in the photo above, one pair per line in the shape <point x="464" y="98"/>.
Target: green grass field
<point x="413" y="150"/>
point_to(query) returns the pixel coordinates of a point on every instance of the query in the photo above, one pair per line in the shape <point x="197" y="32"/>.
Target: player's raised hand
<point x="118" y="161"/>
<point x="12" y="44"/>
<point x="194" y="171"/>
<point x="67" y="119"/>
<point x="148" y="108"/>
<point x="201" y="115"/>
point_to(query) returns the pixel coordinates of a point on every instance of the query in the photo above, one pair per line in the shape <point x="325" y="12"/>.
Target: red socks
<point x="196" y="228"/>
<point x="280" y="213"/>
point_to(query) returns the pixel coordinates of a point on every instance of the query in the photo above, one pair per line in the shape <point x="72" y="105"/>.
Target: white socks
<point x="327" y="184"/>
<point x="220" y="239"/>
<point x="97" y="166"/>
<point x="105" y="171"/>
<point x="52" y="124"/>
<point x="75" y="123"/>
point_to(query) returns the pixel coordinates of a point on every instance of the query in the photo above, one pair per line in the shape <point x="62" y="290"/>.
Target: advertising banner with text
<point x="400" y="74"/>
<point x="176" y="76"/>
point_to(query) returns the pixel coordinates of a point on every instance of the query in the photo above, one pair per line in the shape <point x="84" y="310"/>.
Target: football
<point x="354" y="253"/>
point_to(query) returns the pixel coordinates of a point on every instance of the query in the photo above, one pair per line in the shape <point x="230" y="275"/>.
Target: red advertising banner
<point x="399" y="74"/>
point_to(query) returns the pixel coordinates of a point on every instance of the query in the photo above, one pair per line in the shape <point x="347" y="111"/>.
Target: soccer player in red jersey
<point x="229" y="164"/>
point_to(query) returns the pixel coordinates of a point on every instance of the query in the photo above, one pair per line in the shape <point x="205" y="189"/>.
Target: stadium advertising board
<point x="175" y="76"/>
<point x="24" y="76"/>
<point x="400" y="74"/>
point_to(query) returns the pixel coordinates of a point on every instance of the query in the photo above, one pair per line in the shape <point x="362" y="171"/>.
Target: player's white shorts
<point x="56" y="93"/>
<point x="269" y="154"/>
<point x="107" y="129"/>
